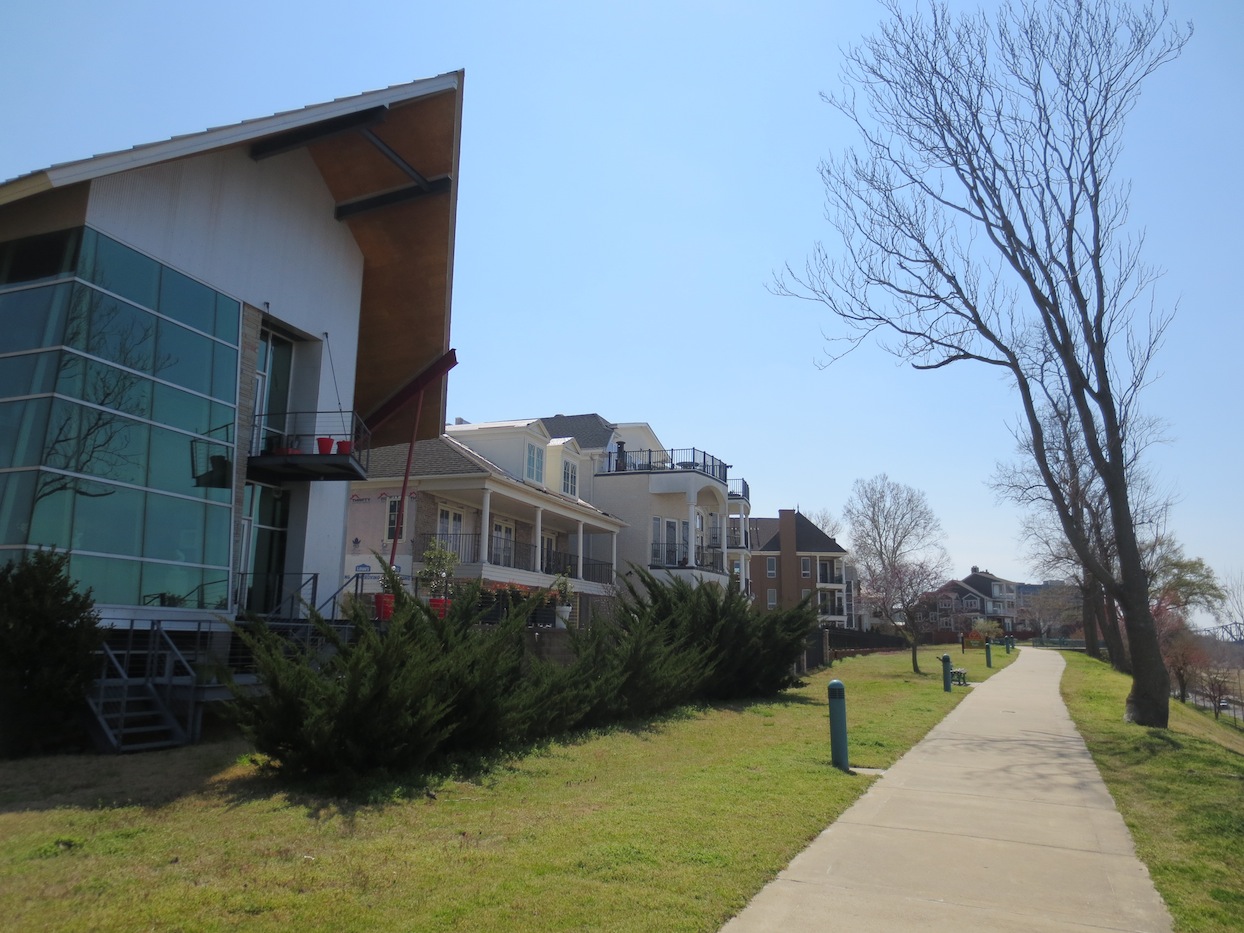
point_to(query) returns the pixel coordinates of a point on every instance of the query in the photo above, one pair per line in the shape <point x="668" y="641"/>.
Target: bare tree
<point x="824" y="519"/>
<point x="1230" y="609"/>
<point x="981" y="222"/>
<point x="896" y="543"/>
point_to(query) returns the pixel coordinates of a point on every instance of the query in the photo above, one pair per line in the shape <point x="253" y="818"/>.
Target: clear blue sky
<point x="631" y="176"/>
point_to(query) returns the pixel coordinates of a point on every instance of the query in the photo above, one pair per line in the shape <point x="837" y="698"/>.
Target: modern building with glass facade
<point x="200" y="340"/>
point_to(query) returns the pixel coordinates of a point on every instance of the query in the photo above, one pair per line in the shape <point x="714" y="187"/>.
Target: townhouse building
<point x="793" y="559"/>
<point x="510" y="517"/>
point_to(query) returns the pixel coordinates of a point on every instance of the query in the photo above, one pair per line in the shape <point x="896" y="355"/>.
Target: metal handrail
<point x="675" y="458"/>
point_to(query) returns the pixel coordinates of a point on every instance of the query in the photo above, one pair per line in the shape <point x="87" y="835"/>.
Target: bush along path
<point x="419" y="690"/>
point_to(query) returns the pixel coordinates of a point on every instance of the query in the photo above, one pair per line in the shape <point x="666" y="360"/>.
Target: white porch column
<point x="580" y="555"/>
<point x="613" y="556"/>
<point x="540" y="539"/>
<point x="690" y="532"/>
<point x="485" y="518"/>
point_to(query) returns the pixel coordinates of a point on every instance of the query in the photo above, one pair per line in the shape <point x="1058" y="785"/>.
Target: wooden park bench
<point x="959" y="675"/>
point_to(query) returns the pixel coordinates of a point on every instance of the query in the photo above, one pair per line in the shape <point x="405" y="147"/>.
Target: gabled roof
<point x="591" y="431"/>
<point x="809" y="539"/>
<point x="444" y="457"/>
<point x="389" y="160"/>
<point x="438" y="456"/>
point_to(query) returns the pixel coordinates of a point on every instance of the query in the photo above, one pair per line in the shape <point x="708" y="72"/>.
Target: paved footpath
<point x="997" y="821"/>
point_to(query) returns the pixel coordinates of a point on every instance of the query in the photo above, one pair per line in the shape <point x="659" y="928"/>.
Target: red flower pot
<point x="384" y="606"/>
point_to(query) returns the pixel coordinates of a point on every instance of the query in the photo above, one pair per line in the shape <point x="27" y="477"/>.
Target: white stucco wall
<point x="262" y="232"/>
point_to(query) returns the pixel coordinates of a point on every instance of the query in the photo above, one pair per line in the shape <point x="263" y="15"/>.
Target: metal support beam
<point x="401" y="195"/>
<point x="335" y="126"/>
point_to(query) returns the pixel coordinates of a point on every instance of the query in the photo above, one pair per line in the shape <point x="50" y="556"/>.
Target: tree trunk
<point x="915" y="660"/>
<point x="1108" y="622"/>
<point x="1148" y="703"/>
<point x="1088" y="620"/>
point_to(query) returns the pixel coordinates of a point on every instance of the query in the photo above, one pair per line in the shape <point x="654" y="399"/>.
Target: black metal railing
<point x="824" y="576"/>
<point x="738" y="489"/>
<point x="504" y="552"/>
<point x="316" y="433"/>
<point x="281" y="595"/>
<point x="676" y="458"/>
<point x="676" y="555"/>
<point x="462" y="546"/>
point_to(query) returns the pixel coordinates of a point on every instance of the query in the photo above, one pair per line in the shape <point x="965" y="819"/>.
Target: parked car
<point x="1224" y="704"/>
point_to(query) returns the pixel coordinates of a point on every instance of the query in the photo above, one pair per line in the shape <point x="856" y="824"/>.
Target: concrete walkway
<point x="997" y="821"/>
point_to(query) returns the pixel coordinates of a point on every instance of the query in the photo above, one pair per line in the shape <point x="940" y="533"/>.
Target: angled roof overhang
<point x="390" y="160"/>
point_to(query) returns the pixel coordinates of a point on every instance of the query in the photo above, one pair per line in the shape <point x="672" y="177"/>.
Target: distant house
<point x="678" y="502"/>
<point x="793" y="559"/>
<point x="503" y="525"/>
<point x="980" y="595"/>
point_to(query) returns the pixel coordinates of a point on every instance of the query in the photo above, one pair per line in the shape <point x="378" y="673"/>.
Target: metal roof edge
<point x="145" y="154"/>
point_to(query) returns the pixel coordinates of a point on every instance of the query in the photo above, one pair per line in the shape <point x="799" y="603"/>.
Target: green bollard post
<point x="988" y="654"/>
<point x="838" y="725"/>
<point x="1006" y="641"/>
<point x="946" y="672"/>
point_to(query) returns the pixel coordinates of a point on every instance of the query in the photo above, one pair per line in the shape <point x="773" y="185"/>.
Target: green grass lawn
<point x="1180" y="790"/>
<point x="667" y="825"/>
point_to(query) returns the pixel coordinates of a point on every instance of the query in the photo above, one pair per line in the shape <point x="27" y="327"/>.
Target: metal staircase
<point x="145" y="696"/>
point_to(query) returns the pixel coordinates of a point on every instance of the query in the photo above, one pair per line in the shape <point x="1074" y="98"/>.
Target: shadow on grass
<point x="225" y="766"/>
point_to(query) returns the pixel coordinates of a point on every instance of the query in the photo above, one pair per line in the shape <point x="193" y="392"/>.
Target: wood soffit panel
<point x="407" y="258"/>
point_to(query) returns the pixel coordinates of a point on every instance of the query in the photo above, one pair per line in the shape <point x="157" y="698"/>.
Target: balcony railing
<point x="675" y="555"/>
<point x="825" y="576"/>
<point x="503" y="552"/>
<point x="738" y="489"/>
<point x="310" y="445"/>
<point x="676" y="458"/>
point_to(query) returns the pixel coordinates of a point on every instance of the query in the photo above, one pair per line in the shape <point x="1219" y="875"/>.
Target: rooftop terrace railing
<point x="675" y="458"/>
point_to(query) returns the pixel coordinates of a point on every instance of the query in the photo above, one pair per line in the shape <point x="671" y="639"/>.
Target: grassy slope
<point x="671" y="825"/>
<point x="1180" y="790"/>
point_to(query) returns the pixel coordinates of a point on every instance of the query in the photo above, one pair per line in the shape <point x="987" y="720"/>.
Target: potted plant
<point x="438" y="566"/>
<point x="386" y="599"/>
<point x="561" y="592"/>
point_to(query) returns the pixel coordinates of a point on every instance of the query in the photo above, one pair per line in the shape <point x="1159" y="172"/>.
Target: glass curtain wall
<point x="118" y="394"/>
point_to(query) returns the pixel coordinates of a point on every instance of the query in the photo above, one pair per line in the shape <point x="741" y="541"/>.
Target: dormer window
<point x="535" y="463"/>
<point x="570" y="478"/>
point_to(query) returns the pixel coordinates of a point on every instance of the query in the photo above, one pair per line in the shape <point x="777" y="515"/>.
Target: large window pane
<point x="124" y="392"/>
<point x="111" y="581"/>
<point x="16" y="499"/>
<point x="121" y="333"/>
<point x="228" y="318"/>
<point x="181" y="409"/>
<point x="188" y="301"/>
<point x="172" y="585"/>
<point x="175" y="529"/>
<point x="224" y="373"/>
<point x="30" y="374"/>
<point x="120" y="269"/>
<point x="216" y="536"/>
<point x="23" y="426"/>
<point x="96" y="442"/>
<point x="108" y="519"/>
<point x="34" y="317"/>
<point x="38" y="257"/>
<point x="183" y="357"/>
<point x="51" y="518"/>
